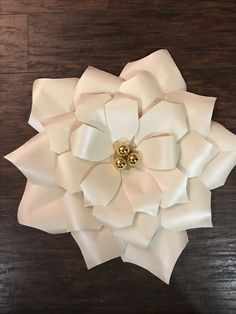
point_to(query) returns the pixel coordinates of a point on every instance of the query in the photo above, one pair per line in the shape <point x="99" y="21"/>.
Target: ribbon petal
<point x="173" y="185"/>
<point x="199" y="109"/>
<point x="194" y="214"/>
<point x="51" y="97"/>
<point x="35" y="160"/>
<point x="196" y="153"/>
<point x="90" y="109"/>
<point x="160" y="152"/>
<point x="161" y="255"/>
<point x="94" y="80"/>
<point x="70" y="171"/>
<point x="98" y="247"/>
<point x="142" y="191"/>
<point x="119" y="213"/>
<point x="122" y="117"/>
<point x="43" y="208"/>
<point x="101" y="185"/>
<point x="80" y="218"/>
<point x="142" y="230"/>
<point x="142" y="87"/>
<point x="225" y="161"/>
<point x="58" y="130"/>
<point x="161" y="65"/>
<point x="222" y="137"/>
<point x="91" y="144"/>
<point x="164" y="118"/>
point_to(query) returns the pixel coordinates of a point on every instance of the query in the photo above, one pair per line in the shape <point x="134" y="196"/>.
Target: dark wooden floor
<point x="40" y="273"/>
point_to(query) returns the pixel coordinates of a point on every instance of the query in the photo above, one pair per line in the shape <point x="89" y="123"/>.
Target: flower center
<point x="125" y="156"/>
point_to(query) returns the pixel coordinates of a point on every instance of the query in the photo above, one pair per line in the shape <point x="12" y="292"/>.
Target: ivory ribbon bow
<point x="125" y="164"/>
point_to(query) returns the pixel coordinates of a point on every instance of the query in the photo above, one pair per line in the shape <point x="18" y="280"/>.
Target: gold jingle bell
<point x="123" y="150"/>
<point x="120" y="163"/>
<point x="133" y="159"/>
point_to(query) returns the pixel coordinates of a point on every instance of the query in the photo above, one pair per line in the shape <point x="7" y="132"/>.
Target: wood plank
<point x="143" y="30"/>
<point x="13" y="43"/>
<point x="31" y="6"/>
<point x="71" y="43"/>
<point x="41" y="273"/>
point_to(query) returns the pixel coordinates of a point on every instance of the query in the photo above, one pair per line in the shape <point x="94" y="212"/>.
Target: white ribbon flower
<point x="125" y="164"/>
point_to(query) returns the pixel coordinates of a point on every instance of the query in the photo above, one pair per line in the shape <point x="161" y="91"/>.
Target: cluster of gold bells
<point x="125" y="156"/>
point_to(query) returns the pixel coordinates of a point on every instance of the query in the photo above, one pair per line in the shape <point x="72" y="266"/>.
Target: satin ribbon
<point x="140" y="214"/>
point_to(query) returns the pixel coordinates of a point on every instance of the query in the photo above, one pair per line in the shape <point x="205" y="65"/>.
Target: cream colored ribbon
<point x="142" y="213"/>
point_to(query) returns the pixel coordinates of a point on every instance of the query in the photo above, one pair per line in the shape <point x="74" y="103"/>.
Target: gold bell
<point x="133" y="159"/>
<point x="123" y="150"/>
<point x="120" y="163"/>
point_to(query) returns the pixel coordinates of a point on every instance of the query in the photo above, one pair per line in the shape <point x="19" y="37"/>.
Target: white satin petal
<point x="222" y="137"/>
<point x="225" y="161"/>
<point x="101" y="185"/>
<point x="35" y="160"/>
<point x="164" y="117"/>
<point x="119" y="213"/>
<point x="90" y="109"/>
<point x="58" y="131"/>
<point x="161" y="65"/>
<point x="91" y="144"/>
<point x="161" y="255"/>
<point x="42" y="208"/>
<point x="160" y="152"/>
<point x="96" y="81"/>
<point x="80" y="218"/>
<point x="142" y="87"/>
<point x="122" y="117"/>
<point x="196" y="153"/>
<point x="98" y="247"/>
<point x="70" y="171"/>
<point x="173" y="185"/>
<point x="217" y="171"/>
<point x="50" y="98"/>
<point x="142" y="230"/>
<point x="142" y="191"/>
<point x="194" y="214"/>
<point x="199" y="109"/>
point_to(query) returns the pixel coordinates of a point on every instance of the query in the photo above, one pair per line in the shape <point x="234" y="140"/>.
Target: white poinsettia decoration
<point x="125" y="164"/>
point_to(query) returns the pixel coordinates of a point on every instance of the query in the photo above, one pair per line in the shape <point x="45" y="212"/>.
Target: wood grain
<point x="41" y="273"/>
<point x="13" y="43"/>
<point x="43" y="6"/>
